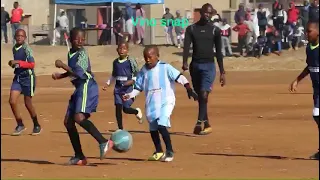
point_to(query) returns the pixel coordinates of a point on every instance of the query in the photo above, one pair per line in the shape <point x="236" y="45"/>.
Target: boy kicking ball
<point x="24" y="82"/>
<point x="84" y="100"/>
<point x="157" y="79"/>
<point x="312" y="68"/>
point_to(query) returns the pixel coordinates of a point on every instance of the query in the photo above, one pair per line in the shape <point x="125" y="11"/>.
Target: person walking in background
<point x="16" y="19"/>
<point x="262" y="19"/>
<point x="275" y="7"/>
<point x="128" y="19"/>
<point x="242" y="30"/>
<point x="63" y="22"/>
<point x="225" y="38"/>
<point x="4" y="20"/>
<point x="140" y="27"/>
<point x="314" y="11"/>
<point x="179" y="30"/>
<point x="117" y="27"/>
<point x="241" y="13"/>
<point x="280" y="19"/>
<point x="168" y="17"/>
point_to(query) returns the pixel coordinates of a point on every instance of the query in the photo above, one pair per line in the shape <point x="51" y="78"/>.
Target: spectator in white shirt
<point x="63" y="23"/>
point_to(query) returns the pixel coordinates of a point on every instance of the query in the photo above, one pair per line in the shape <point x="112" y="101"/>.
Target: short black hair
<point x="206" y="5"/>
<point x="16" y="2"/>
<point x="123" y="42"/>
<point x="74" y="31"/>
<point x="316" y="23"/>
<point x="154" y="47"/>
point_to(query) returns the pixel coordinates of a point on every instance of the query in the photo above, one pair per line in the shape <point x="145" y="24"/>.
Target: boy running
<point x="157" y="79"/>
<point x="24" y="82"/>
<point x="124" y="72"/>
<point x="84" y="100"/>
<point x="312" y="68"/>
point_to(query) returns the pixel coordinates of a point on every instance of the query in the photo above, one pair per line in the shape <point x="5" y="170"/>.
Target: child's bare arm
<point x="303" y="74"/>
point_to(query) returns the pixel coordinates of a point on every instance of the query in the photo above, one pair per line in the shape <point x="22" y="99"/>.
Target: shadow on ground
<point x="251" y="156"/>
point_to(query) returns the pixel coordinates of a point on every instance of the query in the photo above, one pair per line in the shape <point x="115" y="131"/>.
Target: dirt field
<point x="260" y="131"/>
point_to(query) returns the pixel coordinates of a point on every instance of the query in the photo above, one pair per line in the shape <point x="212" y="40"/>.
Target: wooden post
<point x="25" y="22"/>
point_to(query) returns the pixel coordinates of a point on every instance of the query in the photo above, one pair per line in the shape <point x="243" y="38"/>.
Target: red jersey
<point x="242" y="29"/>
<point x="16" y="15"/>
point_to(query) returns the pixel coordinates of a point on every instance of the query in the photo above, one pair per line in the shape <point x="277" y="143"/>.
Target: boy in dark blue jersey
<point x="84" y="100"/>
<point x="23" y="82"/>
<point x="312" y="68"/>
<point x="124" y="71"/>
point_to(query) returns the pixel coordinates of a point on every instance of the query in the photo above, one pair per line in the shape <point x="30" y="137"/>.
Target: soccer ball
<point x="122" y="141"/>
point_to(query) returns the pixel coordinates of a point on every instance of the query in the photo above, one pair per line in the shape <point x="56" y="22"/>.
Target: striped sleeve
<point x="29" y="53"/>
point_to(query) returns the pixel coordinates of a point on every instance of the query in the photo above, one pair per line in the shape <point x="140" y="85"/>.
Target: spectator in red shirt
<point x="242" y="30"/>
<point x="16" y="19"/>
<point x="293" y="14"/>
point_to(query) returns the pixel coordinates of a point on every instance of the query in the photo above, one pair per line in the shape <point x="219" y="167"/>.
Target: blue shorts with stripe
<point x="119" y="101"/>
<point x="85" y="98"/>
<point x="26" y="84"/>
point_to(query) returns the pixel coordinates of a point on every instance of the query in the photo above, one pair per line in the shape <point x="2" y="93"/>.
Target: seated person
<point x="259" y="46"/>
<point x="274" y="43"/>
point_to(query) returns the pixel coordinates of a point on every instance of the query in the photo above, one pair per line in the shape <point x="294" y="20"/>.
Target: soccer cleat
<point x="139" y="115"/>
<point x="36" y="130"/>
<point x="168" y="157"/>
<point x="78" y="161"/>
<point x="18" y="130"/>
<point x="156" y="156"/>
<point x="315" y="156"/>
<point x="206" y="131"/>
<point x="198" y="128"/>
<point x="104" y="148"/>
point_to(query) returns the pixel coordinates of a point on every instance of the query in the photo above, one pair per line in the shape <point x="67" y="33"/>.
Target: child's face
<point x="151" y="58"/>
<point x="20" y="37"/>
<point x="78" y="40"/>
<point x="312" y="32"/>
<point x="122" y="50"/>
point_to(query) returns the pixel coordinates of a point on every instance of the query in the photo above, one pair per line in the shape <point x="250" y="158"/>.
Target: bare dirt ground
<point x="259" y="129"/>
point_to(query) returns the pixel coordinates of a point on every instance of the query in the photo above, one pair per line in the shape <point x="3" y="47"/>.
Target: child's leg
<point x="136" y="111"/>
<point x="119" y="115"/>
<point x="79" y="158"/>
<point x="158" y="154"/>
<point x="13" y="101"/>
<point x="33" y="115"/>
<point x="163" y="124"/>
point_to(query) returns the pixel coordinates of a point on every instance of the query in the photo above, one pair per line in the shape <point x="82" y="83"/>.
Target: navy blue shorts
<point x="119" y="101"/>
<point x="25" y="84"/>
<point x="85" y="98"/>
<point x="202" y="76"/>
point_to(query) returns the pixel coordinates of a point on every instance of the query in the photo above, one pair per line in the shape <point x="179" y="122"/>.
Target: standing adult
<point x="63" y="22"/>
<point x="241" y="13"/>
<point x="262" y="19"/>
<point x="16" y="19"/>
<point x="275" y="7"/>
<point x="304" y="14"/>
<point x="293" y="15"/>
<point x="203" y="35"/>
<point x="140" y="27"/>
<point x="169" y="18"/>
<point x="280" y="19"/>
<point x="4" y="20"/>
<point x="128" y="19"/>
<point x="314" y="11"/>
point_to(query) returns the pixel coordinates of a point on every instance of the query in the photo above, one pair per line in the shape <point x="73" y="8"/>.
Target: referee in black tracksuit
<point x="204" y="36"/>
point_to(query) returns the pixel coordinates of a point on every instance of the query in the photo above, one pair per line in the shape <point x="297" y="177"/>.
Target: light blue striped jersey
<point x="158" y="84"/>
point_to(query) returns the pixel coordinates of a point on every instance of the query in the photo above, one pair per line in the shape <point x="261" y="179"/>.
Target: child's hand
<point x="293" y="86"/>
<point x="105" y="88"/>
<point x="126" y="97"/>
<point x="58" y="63"/>
<point x="192" y="94"/>
<point x="56" y="76"/>
<point x="12" y="63"/>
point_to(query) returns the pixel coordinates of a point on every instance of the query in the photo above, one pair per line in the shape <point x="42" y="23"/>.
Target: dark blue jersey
<point x="313" y="65"/>
<point x="80" y="64"/>
<point x="124" y="70"/>
<point x="23" y="53"/>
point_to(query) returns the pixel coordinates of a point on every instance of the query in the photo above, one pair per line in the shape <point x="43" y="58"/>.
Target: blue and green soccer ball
<point x="122" y="141"/>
